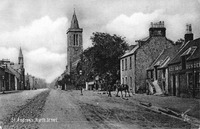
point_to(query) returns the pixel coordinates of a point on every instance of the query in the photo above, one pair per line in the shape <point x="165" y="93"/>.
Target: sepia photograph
<point x="99" y="64"/>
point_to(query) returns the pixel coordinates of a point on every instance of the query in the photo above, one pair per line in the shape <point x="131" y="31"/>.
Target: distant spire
<point x="20" y="52"/>
<point x="74" y="22"/>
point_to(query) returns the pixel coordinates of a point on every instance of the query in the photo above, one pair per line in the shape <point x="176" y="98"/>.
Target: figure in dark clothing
<point x="109" y="90"/>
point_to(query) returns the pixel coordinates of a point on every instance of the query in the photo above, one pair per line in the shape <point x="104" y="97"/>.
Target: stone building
<point x="12" y="75"/>
<point x="2" y="73"/>
<point x="184" y="69"/>
<point x="157" y="73"/>
<point x="74" y="45"/>
<point x="128" y="67"/>
<point x="142" y="55"/>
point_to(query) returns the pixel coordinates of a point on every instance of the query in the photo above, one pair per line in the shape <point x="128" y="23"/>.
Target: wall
<point x="185" y="82"/>
<point x="129" y="73"/>
<point x="146" y="54"/>
<point x="73" y="52"/>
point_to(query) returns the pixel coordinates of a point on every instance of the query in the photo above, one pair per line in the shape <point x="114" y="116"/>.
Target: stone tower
<point x="74" y="44"/>
<point x="21" y="69"/>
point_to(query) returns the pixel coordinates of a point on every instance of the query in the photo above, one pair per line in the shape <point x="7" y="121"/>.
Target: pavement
<point x="12" y="91"/>
<point x="177" y="104"/>
<point x="185" y="109"/>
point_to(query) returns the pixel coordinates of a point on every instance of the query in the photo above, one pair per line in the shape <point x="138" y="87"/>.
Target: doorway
<point x="174" y="85"/>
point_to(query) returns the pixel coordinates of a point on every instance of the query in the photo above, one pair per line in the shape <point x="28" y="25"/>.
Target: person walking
<point x="109" y="90"/>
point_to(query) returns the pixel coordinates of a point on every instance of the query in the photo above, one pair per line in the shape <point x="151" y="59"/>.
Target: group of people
<point x="109" y="86"/>
<point x="119" y="87"/>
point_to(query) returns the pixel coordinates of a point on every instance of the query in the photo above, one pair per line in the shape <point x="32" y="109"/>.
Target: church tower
<point x="20" y="58"/>
<point x="21" y="69"/>
<point x="74" y="44"/>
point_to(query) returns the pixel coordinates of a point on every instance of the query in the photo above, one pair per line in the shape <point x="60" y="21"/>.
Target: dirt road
<point x="96" y="111"/>
<point x="57" y="109"/>
<point x="61" y="107"/>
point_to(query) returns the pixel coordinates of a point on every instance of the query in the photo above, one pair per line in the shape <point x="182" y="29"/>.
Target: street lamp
<point x="22" y="86"/>
<point x="80" y="73"/>
<point x="3" y="88"/>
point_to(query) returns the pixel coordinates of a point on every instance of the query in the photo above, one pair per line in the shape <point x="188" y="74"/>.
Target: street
<point x="57" y="109"/>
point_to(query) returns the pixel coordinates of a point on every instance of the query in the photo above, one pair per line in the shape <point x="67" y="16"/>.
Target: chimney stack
<point x="157" y="29"/>
<point x="188" y="34"/>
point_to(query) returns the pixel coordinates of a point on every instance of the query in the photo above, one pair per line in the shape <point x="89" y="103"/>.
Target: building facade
<point x="127" y="68"/>
<point x="184" y="69"/>
<point x="74" y="44"/>
<point x="158" y="71"/>
<point x="12" y="75"/>
<point x="146" y="52"/>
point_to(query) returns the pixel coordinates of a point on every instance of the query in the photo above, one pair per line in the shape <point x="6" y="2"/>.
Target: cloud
<point x="39" y="27"/>
<point x="136" y="26"/>
<point x="44" y="46"/>
<point x="44" y="63"/>
<point x="9" y="53"/>
<point x="41" y="32"/>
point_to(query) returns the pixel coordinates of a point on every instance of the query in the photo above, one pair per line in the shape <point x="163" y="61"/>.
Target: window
<point x="190" y="80"/>
<point x="164" y="72"/>
<point x="130" y="82"/>
<point x="130" y="62"/>
<point x="76" y="39"/>
<point x="151" y="74"/>
<point x="126" y="81"/>
<point x="183" y="62"/>
<point x="76" y="43"/>
<point x="198" y="80"/>
<point x="126" y="64"/>
<point x="122" y="65"/>
<point x="122" y="80"/>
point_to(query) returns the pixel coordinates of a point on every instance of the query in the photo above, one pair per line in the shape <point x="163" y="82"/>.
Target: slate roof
<point x="143" y="40"/>
<point x="16" y="66"/>
<point x="130" y="52"/>
<point x="74" y="22"/>
<point x="14" y="72"/>
<point x="191" y="49"/>
<point x="146" y="39"/>
<point x="165" y="57"/>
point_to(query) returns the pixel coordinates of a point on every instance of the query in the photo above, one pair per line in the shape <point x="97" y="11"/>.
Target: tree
<point x="103" y="57"/>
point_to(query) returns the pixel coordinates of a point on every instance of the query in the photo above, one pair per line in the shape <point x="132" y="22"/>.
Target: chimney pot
<point x="189" y="34"/>
<point x="157" y="29"/>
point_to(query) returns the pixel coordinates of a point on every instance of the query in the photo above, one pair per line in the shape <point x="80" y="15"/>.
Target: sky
<point x="39" y="26"/>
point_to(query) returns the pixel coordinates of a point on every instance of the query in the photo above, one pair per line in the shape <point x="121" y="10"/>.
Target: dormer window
<point x="186" y="55"/>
